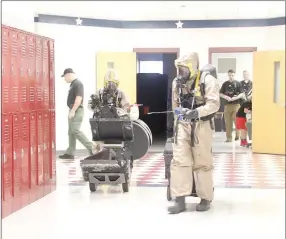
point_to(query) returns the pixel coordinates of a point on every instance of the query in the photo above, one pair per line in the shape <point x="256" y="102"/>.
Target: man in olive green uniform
<point x="194" y="105"/>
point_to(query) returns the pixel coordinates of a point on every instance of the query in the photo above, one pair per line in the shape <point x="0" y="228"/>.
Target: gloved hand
<point x="180" y="110"/>
<point x="191" y="114"/>
<point x="71" y="114"/>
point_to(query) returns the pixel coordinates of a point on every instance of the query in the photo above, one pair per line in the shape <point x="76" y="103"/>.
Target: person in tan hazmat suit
<point x="110" y="94"/>
<point x="195" y="101"/>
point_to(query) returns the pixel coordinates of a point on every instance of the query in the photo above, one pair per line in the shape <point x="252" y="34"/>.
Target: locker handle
<point x="31" y="151"/>
<point x="15" y="155"/>
<point x="22" y="153"/>
<point x="21" y="72"/>
<point x="3" y="70"/>
<point x="5" y="158"/>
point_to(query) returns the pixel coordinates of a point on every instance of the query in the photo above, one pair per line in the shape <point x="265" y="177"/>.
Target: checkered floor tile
<point x="242" y="170"/>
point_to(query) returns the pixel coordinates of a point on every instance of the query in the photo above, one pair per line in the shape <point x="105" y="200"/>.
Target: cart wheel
<point x="125" y="187"/>
<point x="92" y="187"/>
<point x="169" y="198"/>
<point x="86" y="178"/>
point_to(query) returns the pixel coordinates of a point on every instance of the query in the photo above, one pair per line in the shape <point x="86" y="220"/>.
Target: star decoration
<point x="179" y="24"/>
<point x="78" y="21"/>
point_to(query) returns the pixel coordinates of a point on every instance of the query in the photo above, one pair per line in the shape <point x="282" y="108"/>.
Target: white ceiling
<point x="154" y="10"/>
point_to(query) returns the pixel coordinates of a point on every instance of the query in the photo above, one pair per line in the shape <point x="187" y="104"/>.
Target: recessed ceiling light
<point x="182" y="6"/>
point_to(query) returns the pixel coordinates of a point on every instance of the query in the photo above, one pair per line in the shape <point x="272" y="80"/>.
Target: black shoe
<point x="66" y="156"/>
<point x="236" y="138"/>
<point x="180" y="206"/>
<point x="90" y="153"/>
<point x="203" y="206"/>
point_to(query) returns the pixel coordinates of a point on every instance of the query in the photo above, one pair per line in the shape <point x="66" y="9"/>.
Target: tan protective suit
<point x="111" y="76"/>
<point x="187" y="159"/>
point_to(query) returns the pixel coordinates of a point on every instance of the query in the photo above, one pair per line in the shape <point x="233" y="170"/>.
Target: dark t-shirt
<point x="231" y="89"/>
<point x="76" y="89"/>
<point x="246" y="86"/>
<point x="246" y="105"/>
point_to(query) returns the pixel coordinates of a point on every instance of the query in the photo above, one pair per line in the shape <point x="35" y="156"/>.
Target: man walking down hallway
<point x="232" y="92"/>
<point x="75" y="117"/>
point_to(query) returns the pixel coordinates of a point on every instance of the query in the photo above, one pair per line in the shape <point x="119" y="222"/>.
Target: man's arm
<point x="212" y="97"/>
<point x="79" y="95"/>
<point x="222" y="92"/>
<point x="125" y="101"/>
<point x="240" y="92"/>
<point x="175" y="96"/>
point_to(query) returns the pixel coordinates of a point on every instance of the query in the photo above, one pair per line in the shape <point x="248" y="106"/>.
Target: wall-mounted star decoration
<point x="78" y="21"/>
<point x="179" y="24"/>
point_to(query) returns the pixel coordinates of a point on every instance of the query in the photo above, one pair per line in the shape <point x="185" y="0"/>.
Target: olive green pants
<point x="75" y="133"/>
<point x="230" y="111"/>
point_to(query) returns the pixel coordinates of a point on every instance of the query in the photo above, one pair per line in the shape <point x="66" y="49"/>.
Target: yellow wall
<point x="268" y="128"/>
<point x="125" y="65"/>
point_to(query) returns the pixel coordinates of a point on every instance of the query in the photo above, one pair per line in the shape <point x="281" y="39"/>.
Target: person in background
<point x="232" y="92"/>
<point x="75" y="116"/>
<point x="241" y="120"/>
<point x="246" y="83"/>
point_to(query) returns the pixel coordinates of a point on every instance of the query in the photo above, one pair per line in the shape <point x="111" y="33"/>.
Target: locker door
<point x="53" y="149"/>
<point x="7" y="161"/>
<point x="46" y="74"/>
<point x="23" y="70"/>
<point x="15" y="88"/>
<point x="39" y="73"/>
<point x="6" y="68"/>
<point x="40" y="134"/>
<point x="31" y="51"/>
<point x="46" y="147"/>
<point x="52" y="74"/>
<point x="16" y="204"/>
<point x="25" y="158"/>
<point x="33" y="157"/>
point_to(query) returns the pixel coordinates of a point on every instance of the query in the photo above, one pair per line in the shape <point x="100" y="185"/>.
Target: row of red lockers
<point x="28" y="158"/>
<point x="27" y="71"/>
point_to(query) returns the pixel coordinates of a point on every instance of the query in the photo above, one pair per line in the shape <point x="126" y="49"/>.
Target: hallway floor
<point x="249" y="203"/>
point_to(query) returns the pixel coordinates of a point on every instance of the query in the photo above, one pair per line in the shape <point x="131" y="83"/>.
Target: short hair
<point x="231" y="71"/>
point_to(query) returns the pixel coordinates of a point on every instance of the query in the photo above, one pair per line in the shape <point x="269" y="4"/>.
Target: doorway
<point x="155" y="73"/>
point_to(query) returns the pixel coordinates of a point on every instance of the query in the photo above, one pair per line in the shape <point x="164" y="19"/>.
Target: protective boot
<point x="180" y="206"/>
<point x="203" y="206"/>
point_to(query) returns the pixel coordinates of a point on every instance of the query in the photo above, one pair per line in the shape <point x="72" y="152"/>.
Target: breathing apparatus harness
<point x="188" y="101"/>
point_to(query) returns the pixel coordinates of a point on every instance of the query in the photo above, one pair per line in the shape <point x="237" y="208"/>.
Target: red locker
<point x="33" y="158"/>
<point x="53" y="149"/>
<point x="16" y="204"/>
<point x="25" y="159"/>
<point x="46" y="102"/>
<point x="39" y="73"/>
<point x="52" y="73"/>
<point x="46" y="147"/>
<point x="40" y="139"/>
<point x="7" y="164"/>
<point x="31" y="60"/>
<point x="6" y="68"/>
<point x="23" y="72"/>
<point x="14" y="73"/>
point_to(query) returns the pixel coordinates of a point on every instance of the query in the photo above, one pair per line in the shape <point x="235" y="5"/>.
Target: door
<point x="238" y="61"/>
<point x="124" y="63"/>
<point x="23" y="72"/>
<point x="268" y="105"/>
<point x="6" y="68"/>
